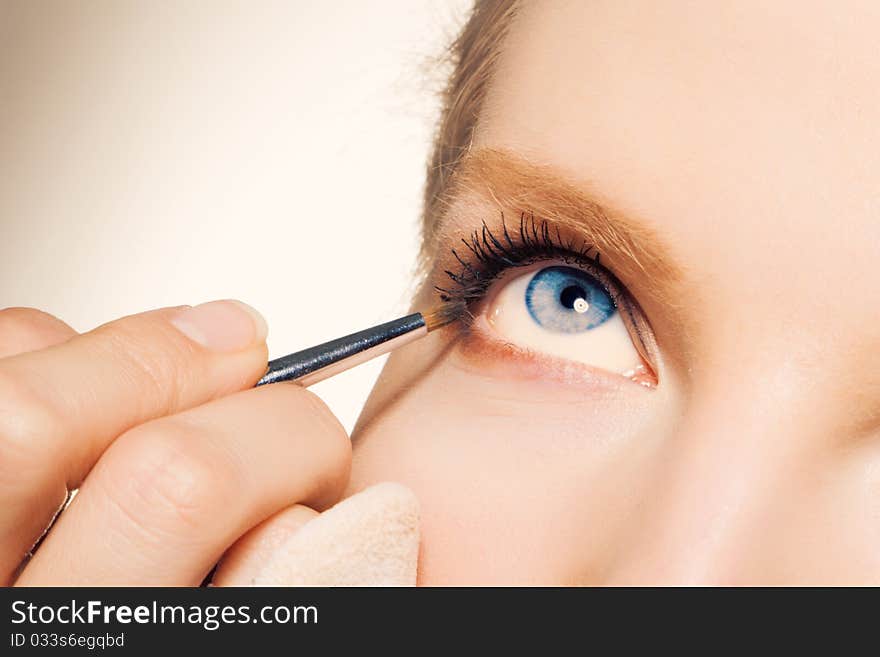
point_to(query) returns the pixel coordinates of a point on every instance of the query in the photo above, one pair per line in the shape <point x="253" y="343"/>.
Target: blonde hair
<point x="473" y="55"/>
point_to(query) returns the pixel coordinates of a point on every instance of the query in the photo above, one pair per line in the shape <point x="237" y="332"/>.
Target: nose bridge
<point x="720" y="482"/>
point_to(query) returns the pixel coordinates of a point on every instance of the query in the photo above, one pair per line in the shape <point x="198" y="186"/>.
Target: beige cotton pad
<point x="368" y="539"/>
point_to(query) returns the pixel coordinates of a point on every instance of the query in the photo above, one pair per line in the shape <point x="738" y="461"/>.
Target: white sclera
<point x="608" y="346"/>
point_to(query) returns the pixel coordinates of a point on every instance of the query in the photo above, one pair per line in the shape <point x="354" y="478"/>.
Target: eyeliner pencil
<point x="325" y="360"/>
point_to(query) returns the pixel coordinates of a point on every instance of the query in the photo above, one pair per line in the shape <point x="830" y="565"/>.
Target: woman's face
<point x="725" y="162"/>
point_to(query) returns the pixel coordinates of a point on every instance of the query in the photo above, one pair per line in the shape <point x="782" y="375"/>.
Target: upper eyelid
<point x="486" y="256"/>
<point x="540" y="245"/>
<point x="489" y="180"/>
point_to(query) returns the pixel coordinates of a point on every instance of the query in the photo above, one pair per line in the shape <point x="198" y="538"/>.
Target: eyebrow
<point x="516" y="185"/>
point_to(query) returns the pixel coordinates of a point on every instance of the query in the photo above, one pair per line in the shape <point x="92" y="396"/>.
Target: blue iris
<point x="568" y="300"/>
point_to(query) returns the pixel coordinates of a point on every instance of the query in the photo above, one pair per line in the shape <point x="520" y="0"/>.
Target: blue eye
<point x="568" y="300"/>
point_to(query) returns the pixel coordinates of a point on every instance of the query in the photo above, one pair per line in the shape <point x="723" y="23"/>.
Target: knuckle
<point x="25" y="320"/>
<point x="28" y="329"/>
<point x="167" y="475"/>
<point x="29" y="426"/>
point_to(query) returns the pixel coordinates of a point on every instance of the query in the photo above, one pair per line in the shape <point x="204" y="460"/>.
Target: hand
<point x="177" y="458"/>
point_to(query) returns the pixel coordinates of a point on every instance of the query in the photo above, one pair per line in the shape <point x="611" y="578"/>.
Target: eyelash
<point x="487" y="257"/>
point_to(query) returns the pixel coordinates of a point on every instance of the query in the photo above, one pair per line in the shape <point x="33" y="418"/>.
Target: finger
<point x="62" y="406"/>
<point x="169" y="497"/>
<point x="241" y="563"/>
<point x="28" y="329"/>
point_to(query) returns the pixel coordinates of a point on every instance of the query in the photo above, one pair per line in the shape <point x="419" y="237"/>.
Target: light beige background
<point x="165" y="152"/>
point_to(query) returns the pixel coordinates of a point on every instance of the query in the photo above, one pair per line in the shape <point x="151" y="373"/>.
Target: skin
<point x="151" y="418"/>
<point x="743" y="139"/>
<point x="757" y="459"/>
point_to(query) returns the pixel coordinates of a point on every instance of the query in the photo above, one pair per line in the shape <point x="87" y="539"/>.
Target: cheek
<point x="519" y="482"/>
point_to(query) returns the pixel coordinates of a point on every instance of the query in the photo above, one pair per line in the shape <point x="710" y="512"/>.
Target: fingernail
<point x="227" y="325"/>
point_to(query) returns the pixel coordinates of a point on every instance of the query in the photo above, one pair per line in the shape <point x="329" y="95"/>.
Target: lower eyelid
<point x="481" y="351"/>
<point x="476" y="329"/>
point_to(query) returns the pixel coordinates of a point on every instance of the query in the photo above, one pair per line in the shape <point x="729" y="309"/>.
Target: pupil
<point x="571" y="294"/>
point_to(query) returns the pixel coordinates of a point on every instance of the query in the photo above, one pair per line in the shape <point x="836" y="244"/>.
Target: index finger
<point x="62" y="406"/>
<point x="29" y="329"/>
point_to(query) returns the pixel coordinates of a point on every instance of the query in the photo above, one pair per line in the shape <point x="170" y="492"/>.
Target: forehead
<point x="744" y="133"/>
